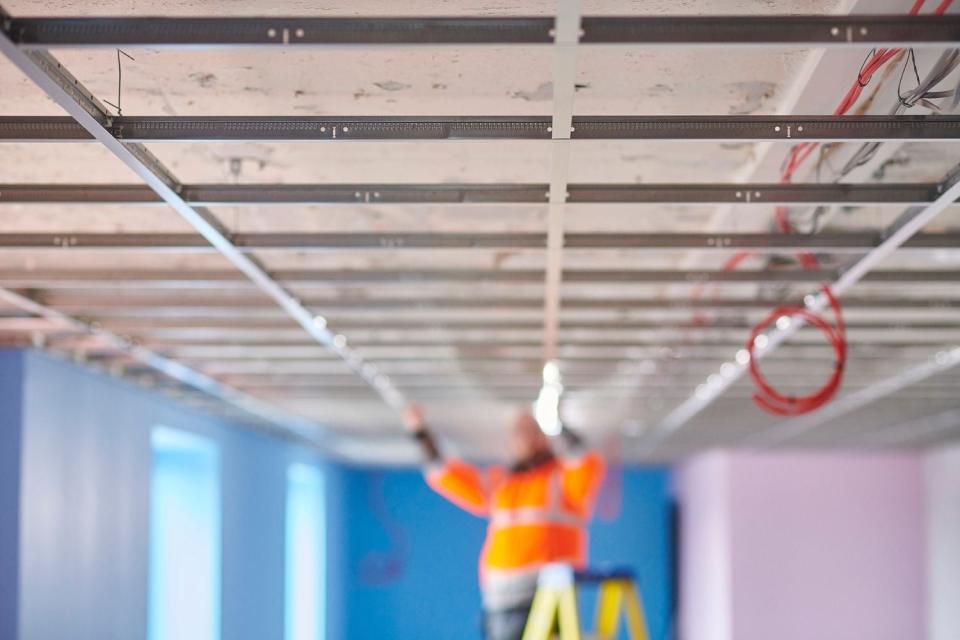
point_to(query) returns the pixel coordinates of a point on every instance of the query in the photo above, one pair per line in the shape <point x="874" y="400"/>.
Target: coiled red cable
<point x="766" y="396"/>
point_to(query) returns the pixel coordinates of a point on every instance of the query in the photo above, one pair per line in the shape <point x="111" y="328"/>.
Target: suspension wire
<point x="119" y="82"/>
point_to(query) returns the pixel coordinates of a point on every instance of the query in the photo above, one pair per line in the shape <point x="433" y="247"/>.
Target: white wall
<point x="705" y="581"/>
<point x="943" y="544"/>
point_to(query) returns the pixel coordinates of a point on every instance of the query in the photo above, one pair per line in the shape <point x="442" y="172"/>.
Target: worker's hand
<point x="413" y="419"/>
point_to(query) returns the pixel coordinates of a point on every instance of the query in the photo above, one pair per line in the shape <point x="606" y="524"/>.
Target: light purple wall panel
<point x="702" y="488"/>
<point x="943" y="544"/>
<point x="824" y="545"/>
<point x="828" y="542"/>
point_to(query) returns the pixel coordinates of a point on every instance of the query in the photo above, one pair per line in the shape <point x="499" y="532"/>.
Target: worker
<point x="538" y="508"/>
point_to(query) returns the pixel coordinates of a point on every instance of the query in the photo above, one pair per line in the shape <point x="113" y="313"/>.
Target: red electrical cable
<point x="767" y="397"/>
<point x="940" y="10"/>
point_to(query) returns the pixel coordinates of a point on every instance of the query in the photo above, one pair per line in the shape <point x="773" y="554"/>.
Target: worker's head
<point x="526" y="438"/>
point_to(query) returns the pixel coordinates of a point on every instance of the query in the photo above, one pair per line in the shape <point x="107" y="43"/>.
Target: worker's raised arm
<point x="583" y="469"/>
<point x="459" y="482"/>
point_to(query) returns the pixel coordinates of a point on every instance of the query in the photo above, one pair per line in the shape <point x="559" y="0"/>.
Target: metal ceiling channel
<point x="111" y="310"/>
<point x="699" y="352"/>
<point x="739" y="128"/>
<point x="50" y="76"/>
<point x="441" y="356"/>
<point x="913" y="430"/>
<point x="848" y="242"/>
<point x="201" y="279"/>
<point x="334" y="194"/>
<point x="222" y="32"/>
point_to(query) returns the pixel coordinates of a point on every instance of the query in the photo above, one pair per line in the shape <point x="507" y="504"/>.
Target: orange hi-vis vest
<point x="537" y="516"/>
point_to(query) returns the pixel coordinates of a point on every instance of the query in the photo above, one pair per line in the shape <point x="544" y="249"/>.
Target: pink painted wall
<point x="824" y="545"/>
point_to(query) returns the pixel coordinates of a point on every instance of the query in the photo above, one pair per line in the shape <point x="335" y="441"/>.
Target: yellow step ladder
<point x="555" y="605"/>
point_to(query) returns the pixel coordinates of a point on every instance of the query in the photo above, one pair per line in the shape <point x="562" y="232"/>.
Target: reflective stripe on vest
<point x="552" y="513"/>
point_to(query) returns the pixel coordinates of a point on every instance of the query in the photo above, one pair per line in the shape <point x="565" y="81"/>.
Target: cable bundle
<point x="766" y="396"/>
<point x="924" y="92"/>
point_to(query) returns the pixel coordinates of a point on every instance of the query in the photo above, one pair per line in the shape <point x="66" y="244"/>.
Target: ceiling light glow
<point x="547" y="410"/>
<point x="551" y="373"/>
<point x="547" y="407"/>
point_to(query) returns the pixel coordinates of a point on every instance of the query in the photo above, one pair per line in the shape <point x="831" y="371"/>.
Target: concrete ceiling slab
<point x="650" y="363"/>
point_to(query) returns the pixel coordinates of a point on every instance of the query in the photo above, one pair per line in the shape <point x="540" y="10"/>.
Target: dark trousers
<point x="506" y="624"/>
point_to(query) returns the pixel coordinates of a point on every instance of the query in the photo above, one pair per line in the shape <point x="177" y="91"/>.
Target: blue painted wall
<point x="436" y="594"/>
<point x="86" y="473"/>
<point x="11" y="401"/>
<point x="85" y="487"/>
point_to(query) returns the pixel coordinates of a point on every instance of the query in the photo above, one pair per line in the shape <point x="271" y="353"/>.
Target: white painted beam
<point x="566" y="34"/>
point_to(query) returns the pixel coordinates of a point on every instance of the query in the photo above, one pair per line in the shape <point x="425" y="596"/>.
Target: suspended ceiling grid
<point x="469" y="349"/>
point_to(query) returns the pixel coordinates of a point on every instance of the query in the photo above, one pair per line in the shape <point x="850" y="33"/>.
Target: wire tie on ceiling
<point x="119" y="84"/>
<point x="860" y="81"/>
